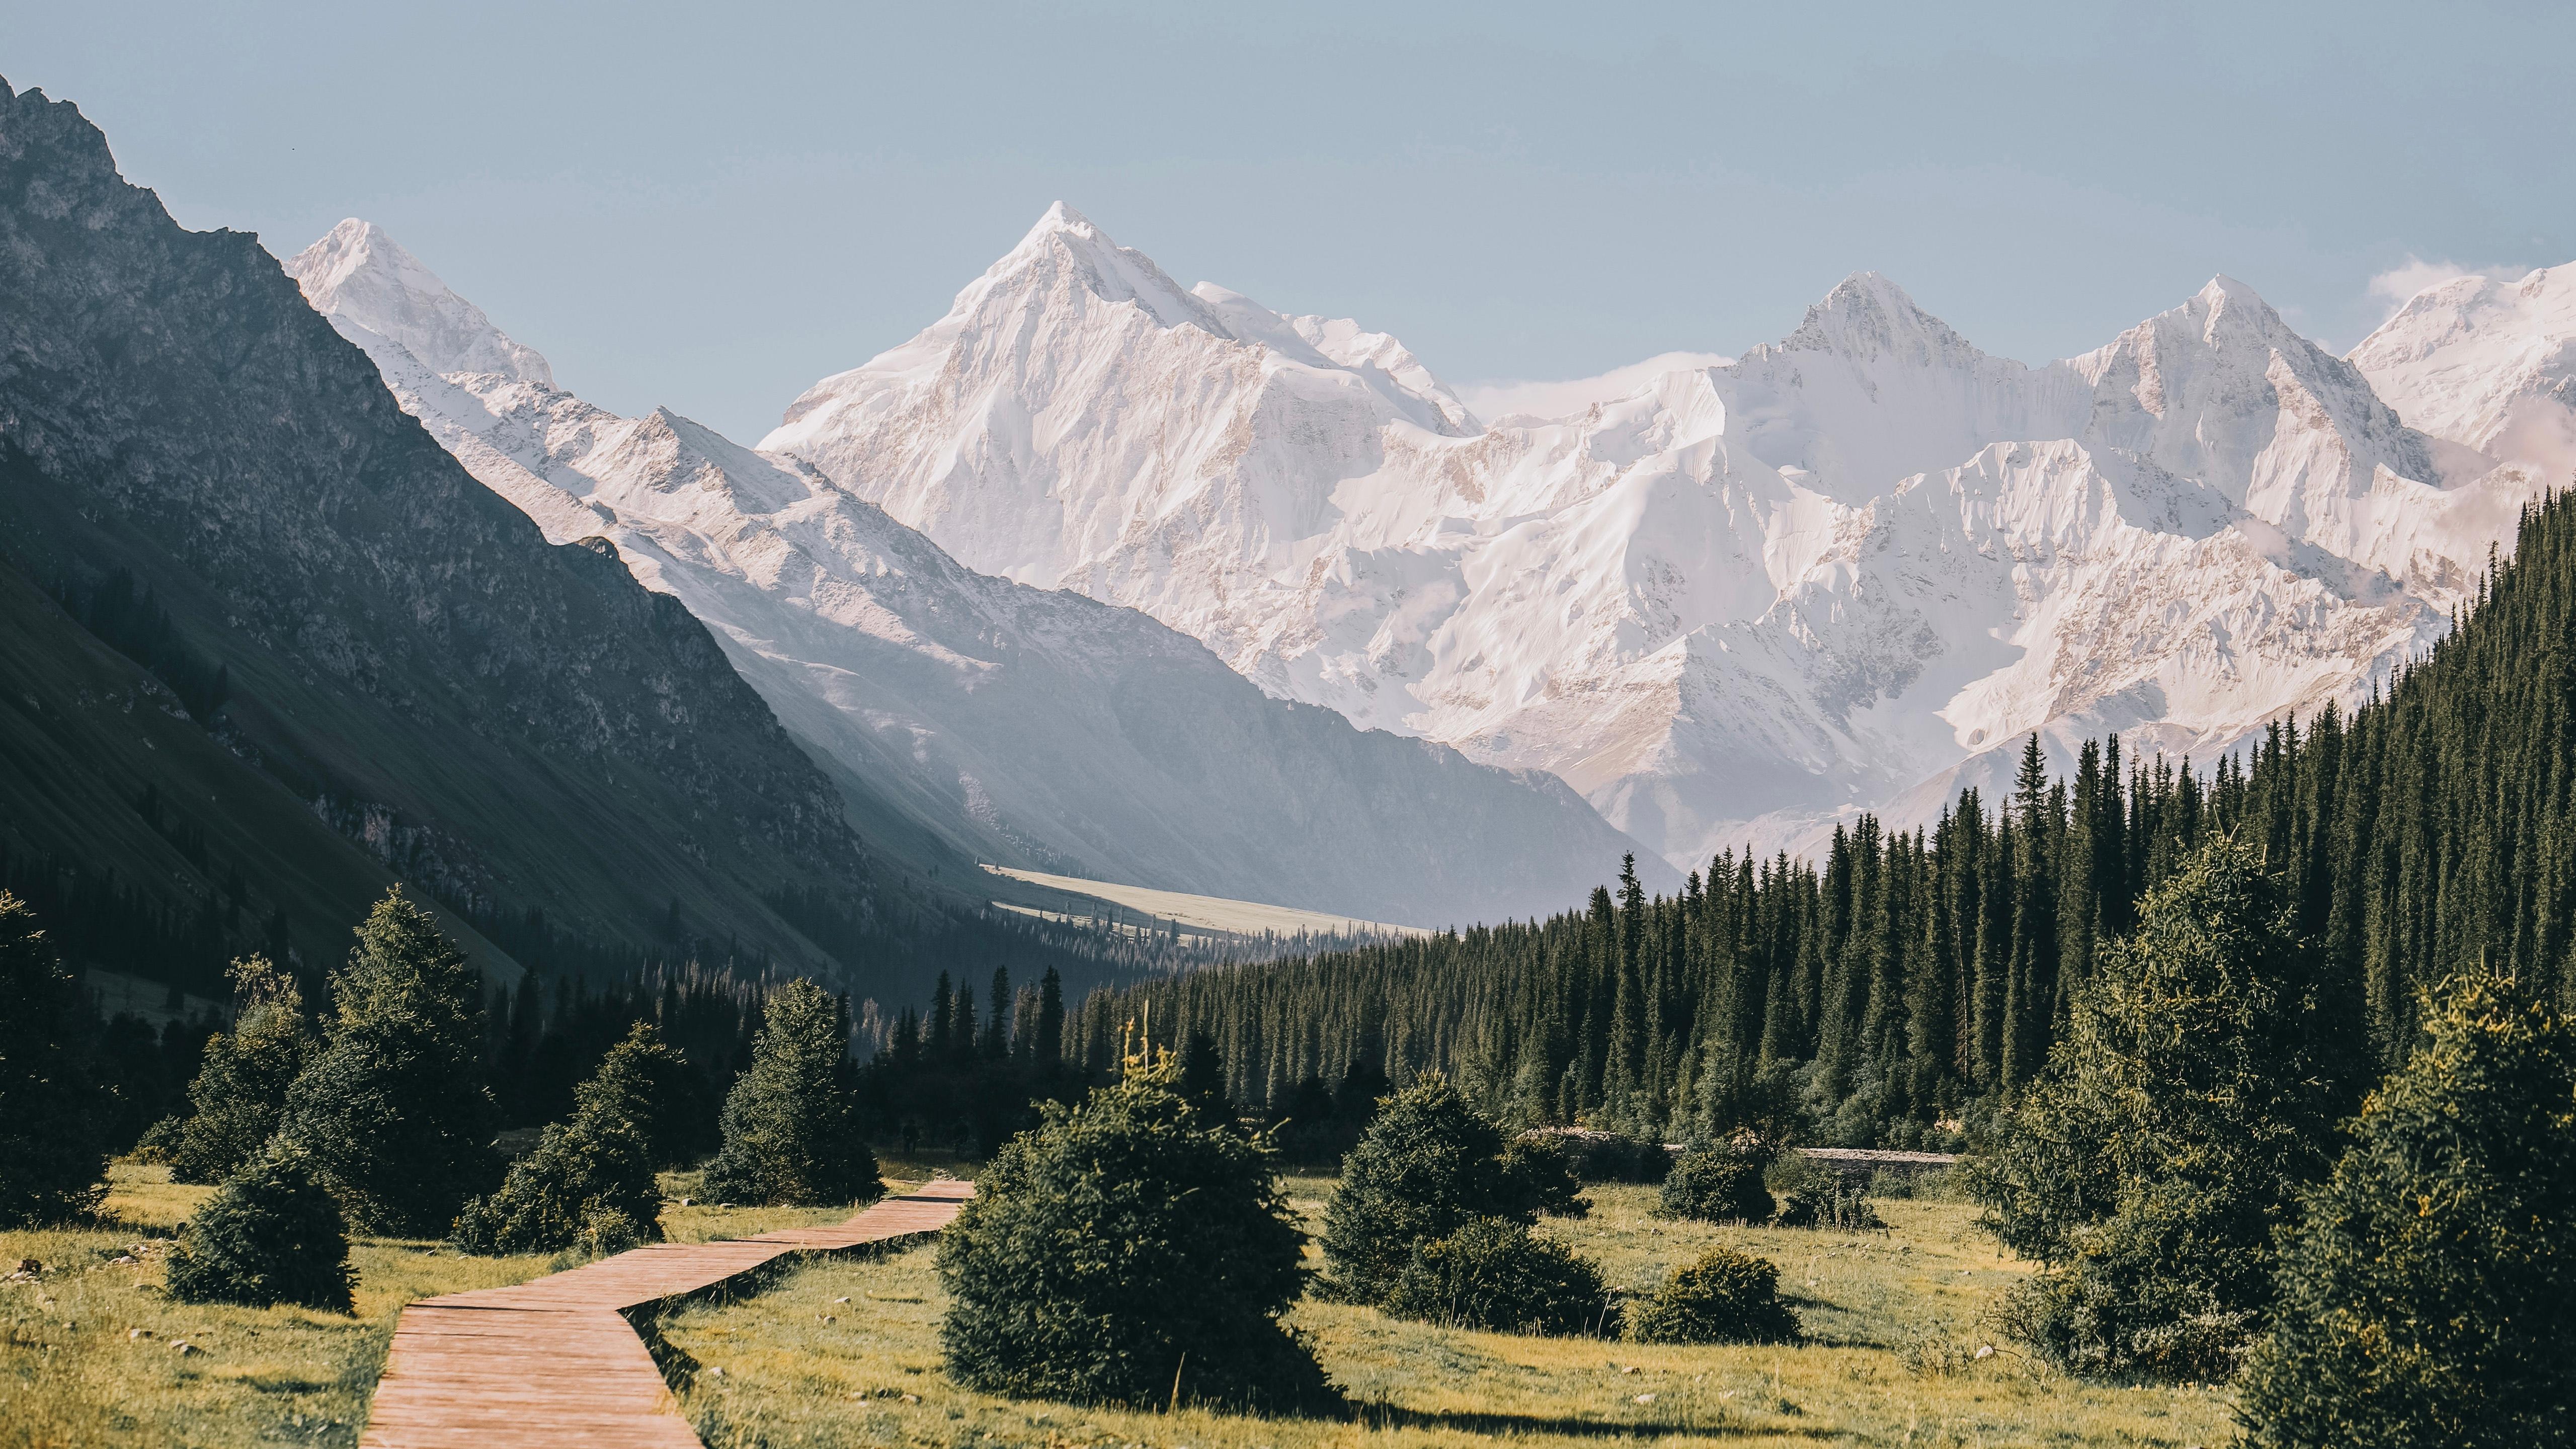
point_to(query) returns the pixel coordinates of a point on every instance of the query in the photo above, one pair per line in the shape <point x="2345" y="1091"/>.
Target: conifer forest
<point x="1912" y="979"/>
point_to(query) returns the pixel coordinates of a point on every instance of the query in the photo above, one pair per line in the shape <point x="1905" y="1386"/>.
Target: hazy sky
<point x="711" y="206"/>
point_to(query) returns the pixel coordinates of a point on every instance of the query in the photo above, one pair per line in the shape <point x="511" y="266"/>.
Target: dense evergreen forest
<point x="1899" y="990"/>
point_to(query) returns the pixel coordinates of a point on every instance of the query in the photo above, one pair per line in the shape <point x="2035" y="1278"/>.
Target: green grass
<point x="1893" y="1319"/>
<point x="71" y="1377"/>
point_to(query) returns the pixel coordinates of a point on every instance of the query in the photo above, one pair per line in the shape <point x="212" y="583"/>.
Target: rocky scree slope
<point x="1012" y="724"/>
<point x="512" y="723"/>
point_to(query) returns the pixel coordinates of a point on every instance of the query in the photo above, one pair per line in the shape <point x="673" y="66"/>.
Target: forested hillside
<point x="1915" y="977"/>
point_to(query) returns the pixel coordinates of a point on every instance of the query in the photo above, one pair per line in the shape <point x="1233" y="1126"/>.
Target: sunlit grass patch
<point x="73" y="1371"/>
<point x="1894" y="1323"/>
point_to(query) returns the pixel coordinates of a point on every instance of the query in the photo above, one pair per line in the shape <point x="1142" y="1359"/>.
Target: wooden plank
<point x="553" y="1362"/>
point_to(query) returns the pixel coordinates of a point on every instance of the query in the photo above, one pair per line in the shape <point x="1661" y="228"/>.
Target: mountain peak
<point x="358" y="274"/>
<point x="1060" y="216"/>
<point x="1066" y="239"/>
<point x="1866" y="315"/>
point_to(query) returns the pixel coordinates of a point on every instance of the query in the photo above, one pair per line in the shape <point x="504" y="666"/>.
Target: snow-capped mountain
<point x="1020" y="725"/>
<point x="1836" y="572"/>
<point x="2486" y="363"/>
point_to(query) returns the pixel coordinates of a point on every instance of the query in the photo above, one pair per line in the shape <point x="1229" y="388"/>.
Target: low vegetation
<point x="847" y="1352"/>
<point x="1718" y="1182"/>
<point x="1725" y="1297"/>
<point x="589" y="1183"/>
<point x="1495" y="1273"/>
<point x="269" y="1235"/>
<point x="1429" y="1165"/>
<point x="1129" y="1250"/>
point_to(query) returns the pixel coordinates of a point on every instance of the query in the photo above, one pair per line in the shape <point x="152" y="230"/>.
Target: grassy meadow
<point x="74" y="1374"/>
<point x="846" y="1352"/>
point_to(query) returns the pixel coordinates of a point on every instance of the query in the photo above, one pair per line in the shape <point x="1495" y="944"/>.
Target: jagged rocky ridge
<point x="1731" y="603"/>
<point x="513" y="723"/>
<point x="1021" y="726"/>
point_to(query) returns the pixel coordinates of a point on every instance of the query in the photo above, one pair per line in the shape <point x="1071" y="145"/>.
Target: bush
<point x="271" y="1234"/>
<point x="590" y="1180"/>
<point x="392" y="1112"/>
<point x="1124" y="1244"/>
<point x="1718" y="1182"/>
<point x="2429" y="1295"/>
<point x="1496" y="1274"/>
<point x="1725" y="1297"/>
<point x="53" y="1150"/>
<point x="791" y="1125"/>
<point x="2180" y="1117"/>
<point x="1428" y="1165"/>
<point x="1813" y="1195"/>
<point x="1539" y="1176"/>
<point x="159" y="1140"/>
<point x="240" y="1092"/>
<point x="1606" y="1156"/>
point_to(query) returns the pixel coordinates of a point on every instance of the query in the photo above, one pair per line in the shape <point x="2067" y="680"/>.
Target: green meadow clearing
<point x="1894" y="1322"/>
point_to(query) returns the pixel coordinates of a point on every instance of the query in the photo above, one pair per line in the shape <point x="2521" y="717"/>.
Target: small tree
<point x="1429" y="1165"/>
<point x="53" y="1156"/>
<point x="2176" y="1124"/>
<point x="1496" y="1274"/>
<point x="1718" y="1182"/>
<point x="2429" y="1296"/>
<point x="590" y="1180"/>
<point x="1725" y="1297"/>
<point x="240" y="1092"/>
<point x="270" y="1234"/>
<point x="791" y="1125"/>
<point x="392" y="1113"/>
<point x="1129" y="1250"/>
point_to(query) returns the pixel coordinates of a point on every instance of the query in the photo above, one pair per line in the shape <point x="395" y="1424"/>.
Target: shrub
<point x="1495" y="1273"/>
<point x="1813" y="1195"/>
<point x="2429" y="1296"/>
<point x="1428" y="1165"/>
<point x="1718" y="1182"/>
<point x="271" y="1234"/>
<point x="1123" y="1245"/>
<point x="2188" y="1104"/>
<point x="392" y="1112"/>
<point x="240" y="1092"/>
<point x="1725" y="1297"/>
<point x="53" y="1150"/>
<point x="791" y="1125"/>
<point x="1539" y="1176"/>
<point x="1606" y="1156"/>
<point x="159" y="1140"/>
<point x="590" y="1180"/>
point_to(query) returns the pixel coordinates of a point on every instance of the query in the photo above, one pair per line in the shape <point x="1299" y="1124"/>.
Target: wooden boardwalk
<point x="554" y="1362"/>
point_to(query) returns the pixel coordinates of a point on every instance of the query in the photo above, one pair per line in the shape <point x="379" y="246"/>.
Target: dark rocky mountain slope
<point x="351" y="620"/>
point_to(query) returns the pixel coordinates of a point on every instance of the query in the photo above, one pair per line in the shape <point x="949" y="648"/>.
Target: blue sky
<point x="708" y="207"/>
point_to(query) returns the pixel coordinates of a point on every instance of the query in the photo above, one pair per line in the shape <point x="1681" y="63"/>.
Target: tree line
<point x="1902" y="987"/>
